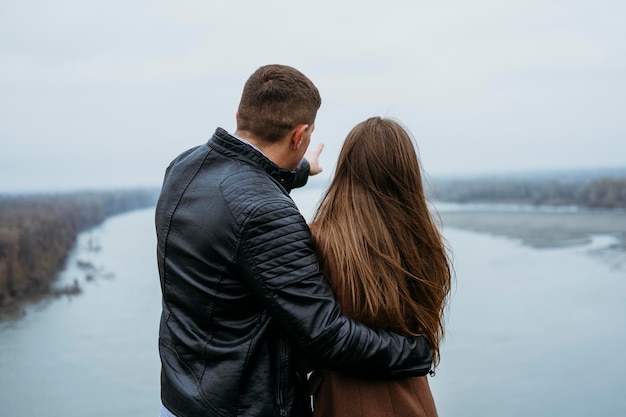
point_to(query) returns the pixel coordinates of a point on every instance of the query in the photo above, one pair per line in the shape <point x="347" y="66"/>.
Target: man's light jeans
<point x="165" y="412"/>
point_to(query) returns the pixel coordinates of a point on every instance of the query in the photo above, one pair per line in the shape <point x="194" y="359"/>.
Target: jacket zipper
<point x="282" y="367"/>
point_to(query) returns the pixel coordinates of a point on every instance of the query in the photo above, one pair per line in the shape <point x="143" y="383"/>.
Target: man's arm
<point x="277" y="260"/>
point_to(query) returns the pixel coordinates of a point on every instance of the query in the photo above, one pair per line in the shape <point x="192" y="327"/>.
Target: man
<point x="241" y="284"/>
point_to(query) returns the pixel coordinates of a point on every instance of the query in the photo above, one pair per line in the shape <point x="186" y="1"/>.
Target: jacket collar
<point x="229" y="145"/>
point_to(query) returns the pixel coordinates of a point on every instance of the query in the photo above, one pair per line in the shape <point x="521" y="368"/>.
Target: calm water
<point x="530" y="332"/>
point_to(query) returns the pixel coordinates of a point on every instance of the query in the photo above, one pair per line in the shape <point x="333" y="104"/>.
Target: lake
<point x="530" y="331"/>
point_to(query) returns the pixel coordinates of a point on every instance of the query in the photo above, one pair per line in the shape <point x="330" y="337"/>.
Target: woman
<point x="386" y="262"/>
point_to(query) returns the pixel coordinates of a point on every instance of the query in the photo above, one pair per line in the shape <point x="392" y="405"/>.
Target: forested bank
<point x="37" y="233"/>
<point x="596" y="193"/>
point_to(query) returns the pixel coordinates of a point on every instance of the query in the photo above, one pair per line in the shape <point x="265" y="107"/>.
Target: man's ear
<point x="298" y="133"/>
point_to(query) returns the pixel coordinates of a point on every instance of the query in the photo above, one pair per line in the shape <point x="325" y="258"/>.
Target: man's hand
<point x="313" y="156"/>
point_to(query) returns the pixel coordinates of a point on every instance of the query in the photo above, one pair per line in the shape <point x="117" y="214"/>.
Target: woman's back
<point x="386" y="261"/>
<point x="337" y="394"/>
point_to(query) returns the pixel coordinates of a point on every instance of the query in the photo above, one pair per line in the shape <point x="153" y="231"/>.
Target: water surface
<point x="530" y="332"/>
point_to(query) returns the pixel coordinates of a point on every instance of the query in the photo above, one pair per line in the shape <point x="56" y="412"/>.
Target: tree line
<point x="37" y="233"/>
<point x="598" y="193"/>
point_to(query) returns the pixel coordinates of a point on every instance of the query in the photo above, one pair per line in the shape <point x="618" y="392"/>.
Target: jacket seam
<point x="169" y="228"/>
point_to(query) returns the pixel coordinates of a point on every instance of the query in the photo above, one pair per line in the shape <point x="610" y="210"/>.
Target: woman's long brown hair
<point x="374" y="226"/>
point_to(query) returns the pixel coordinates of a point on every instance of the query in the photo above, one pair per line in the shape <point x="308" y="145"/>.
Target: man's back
<point x="217" y="340"/>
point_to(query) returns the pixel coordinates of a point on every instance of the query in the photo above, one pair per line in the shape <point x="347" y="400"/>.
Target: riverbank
<point x="545" y="228"/>
<point x="37" y="232"/>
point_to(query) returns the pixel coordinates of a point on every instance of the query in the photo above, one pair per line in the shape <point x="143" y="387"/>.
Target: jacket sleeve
<point x="277" y="259"/>
<point x="302" y="174"/>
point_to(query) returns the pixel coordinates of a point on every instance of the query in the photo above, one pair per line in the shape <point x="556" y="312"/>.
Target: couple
<point x="250" y="325"/>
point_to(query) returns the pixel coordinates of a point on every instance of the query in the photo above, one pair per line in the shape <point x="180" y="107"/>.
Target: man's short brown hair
<point x="275" y="99"/>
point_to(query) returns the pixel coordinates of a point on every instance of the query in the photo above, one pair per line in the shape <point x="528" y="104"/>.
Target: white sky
<point x="103" y="94"/>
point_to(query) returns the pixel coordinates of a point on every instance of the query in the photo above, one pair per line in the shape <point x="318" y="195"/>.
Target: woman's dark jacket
<point x="241" y="283"/>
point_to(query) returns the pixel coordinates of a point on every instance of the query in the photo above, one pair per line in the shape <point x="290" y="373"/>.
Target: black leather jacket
<point x="241" y="285"/>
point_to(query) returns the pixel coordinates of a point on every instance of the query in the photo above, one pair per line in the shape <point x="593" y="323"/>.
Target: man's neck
<point x="277" y="152"/>
<point x="247" y="142"/>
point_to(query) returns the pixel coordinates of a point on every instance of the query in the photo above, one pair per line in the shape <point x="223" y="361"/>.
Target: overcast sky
<point x="103" y="94"/>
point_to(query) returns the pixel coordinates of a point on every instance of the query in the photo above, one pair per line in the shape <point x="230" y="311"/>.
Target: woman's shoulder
<point x="317" y="234"/>
<point x="314" y="227"/>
